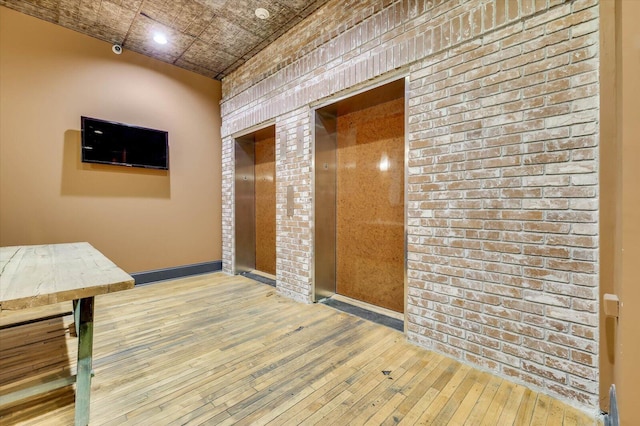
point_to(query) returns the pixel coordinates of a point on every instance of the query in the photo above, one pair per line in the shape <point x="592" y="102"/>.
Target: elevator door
<point x="325" y="205"/>
<point x="245" y="232"/>
<point x="265" y="199"/>
<point x="370" y="205"/>
<point x="255" y="202"/>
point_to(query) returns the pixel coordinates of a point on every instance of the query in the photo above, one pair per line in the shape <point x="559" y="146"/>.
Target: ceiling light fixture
<point x="160" y="38"/>
<point x="262" y="13"/>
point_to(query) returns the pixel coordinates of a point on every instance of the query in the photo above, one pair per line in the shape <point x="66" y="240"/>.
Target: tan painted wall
<point x="142" y="220"/>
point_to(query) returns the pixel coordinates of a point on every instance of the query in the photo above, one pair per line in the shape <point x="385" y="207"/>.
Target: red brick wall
<point x="502" y="190"/>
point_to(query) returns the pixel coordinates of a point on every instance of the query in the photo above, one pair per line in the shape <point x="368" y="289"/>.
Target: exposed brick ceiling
<point x="210" y="37"/>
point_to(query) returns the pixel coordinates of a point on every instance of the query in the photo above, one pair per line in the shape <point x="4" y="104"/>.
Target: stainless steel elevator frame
<point x="324" y="124"/>
<point x="245" y="213"/>
<point x="325" y="204"/>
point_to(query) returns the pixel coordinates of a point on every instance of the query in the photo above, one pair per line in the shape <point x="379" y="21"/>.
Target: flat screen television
<point x="106" y="142"/>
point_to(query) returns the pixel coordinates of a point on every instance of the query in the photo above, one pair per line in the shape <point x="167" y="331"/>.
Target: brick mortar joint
<point x="274" y="70"/>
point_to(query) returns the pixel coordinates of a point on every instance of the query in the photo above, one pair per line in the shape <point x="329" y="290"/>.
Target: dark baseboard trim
<point x="148" y="277"/>
<point x="259" y="278"/>
<point x="394" y="323"/>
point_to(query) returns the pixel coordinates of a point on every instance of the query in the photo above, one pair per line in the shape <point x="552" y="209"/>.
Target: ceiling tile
<point x="116" y="17"/>
<point x="191" y="67"/>
<point x="200" y="22"/>
<point x="193" y="18"/>
<point x="48" y="4"/>
<point x="129" y="4"/>
<point x="231" y="37"/>
<point x="210" y="37"/>
<point x="214" y="5"/>
<point x="88" y="11"/>
<point x="68" y="9"/>
<point x="208" y="56"/>
<point x="243" y="14"/>
<point x="46" y="13"/>
<point x="296" y="5"/>
<point x="140" y="39"/>
<point x="99" y="31"/>
<point x="162" y="11"/>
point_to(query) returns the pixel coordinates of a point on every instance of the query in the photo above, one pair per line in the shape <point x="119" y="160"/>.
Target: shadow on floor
<point x="32" y="352"/>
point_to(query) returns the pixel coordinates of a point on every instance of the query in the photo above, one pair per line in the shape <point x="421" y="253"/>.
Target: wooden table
<point x="32" y="276"/>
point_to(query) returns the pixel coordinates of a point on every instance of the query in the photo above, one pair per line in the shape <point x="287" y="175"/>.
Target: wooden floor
<point x="222" y="350"/>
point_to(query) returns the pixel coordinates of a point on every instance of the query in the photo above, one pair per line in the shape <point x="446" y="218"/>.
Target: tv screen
<point x="120" y="144"/>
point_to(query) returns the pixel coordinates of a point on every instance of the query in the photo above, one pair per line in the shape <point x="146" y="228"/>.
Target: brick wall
<point x="294" y="233"/>
<point x="228" y="204"/>
<point x="502" y="188"/>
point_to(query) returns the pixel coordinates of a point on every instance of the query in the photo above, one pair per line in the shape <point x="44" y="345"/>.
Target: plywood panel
<point x="265" y="187"/>
<point x="370" y="205"/>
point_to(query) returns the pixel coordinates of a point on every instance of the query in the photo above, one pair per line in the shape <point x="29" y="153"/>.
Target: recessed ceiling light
<point x="262" y="13"/>
<point x="160" y="38"/>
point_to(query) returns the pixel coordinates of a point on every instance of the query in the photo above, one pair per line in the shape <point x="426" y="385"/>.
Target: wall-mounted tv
<point x="120" y="144"/>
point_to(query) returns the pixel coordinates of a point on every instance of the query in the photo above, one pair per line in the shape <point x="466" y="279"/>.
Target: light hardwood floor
<point x="221" y="350"/>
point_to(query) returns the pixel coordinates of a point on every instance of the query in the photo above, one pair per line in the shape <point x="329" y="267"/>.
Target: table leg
<point x="85" y="351"/>
<point x="76" y="315"/>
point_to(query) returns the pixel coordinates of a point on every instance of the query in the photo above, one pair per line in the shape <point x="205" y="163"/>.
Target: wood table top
<point x="39" y="275"/>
